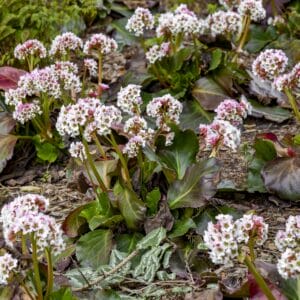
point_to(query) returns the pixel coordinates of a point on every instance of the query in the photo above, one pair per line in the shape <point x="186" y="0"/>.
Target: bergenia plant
<point x="38" y="236"/>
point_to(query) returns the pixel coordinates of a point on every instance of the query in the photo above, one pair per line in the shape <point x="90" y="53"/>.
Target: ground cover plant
<point x="145" y="148"/>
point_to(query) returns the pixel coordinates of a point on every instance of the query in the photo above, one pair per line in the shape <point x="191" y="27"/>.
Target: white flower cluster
<point x="139" y="135"/>
<point x="220" y="133"/>
<point x="24" y="112"/>
<point x="289" y="80"/>
<point x="270" y="64"/>
<point x="141" y="20"/>
<point x="224" y="23"/>
<point x="67" y="73"/>
<point x="30" y="48"/>
<point x="232" y="111"/>
<point x="157" y="52"/>
<point x="74" y="116"/>
<point x="7" y="264"/>
<point x="100" y="43"/>
<point x="288" y="242"/>
<point x="77" y="150"/>
<point x="91" y="66"/>
<point x="181" y="21"/>
<point x="226" y="238"/>
<point x="253" y="8"/>
<point x="63" y="44"/>
<point x="129" y="99"/>
<point x="24" y="216"/>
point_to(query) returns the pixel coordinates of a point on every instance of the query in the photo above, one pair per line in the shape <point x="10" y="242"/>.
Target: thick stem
<point x="251" y="244"/>
<point x="36" y="270"/>
<point x="23" y="244"/>
<point x="99" y="146"/>
<point x="293" y="103"/>
<point x="122" y="159"/>
<point x="49" y="273"/>
<point x="259" y="279"/>
<point x="243" y="38"/>
<point x="92" y="165"/>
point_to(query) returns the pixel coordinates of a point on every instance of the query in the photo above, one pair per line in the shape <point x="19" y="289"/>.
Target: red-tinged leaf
<point x="7" y="123"/>
<point x="257" y="294"/>
<point x="73" y="223"/>
<point x="7" y="145"/>
<point x="9" y="77"/>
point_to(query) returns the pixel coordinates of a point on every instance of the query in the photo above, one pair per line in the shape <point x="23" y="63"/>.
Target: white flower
<point x="253" y="8"/>
<point x="229" y="4"/>
<point x="92" y="67"/>
<point x="14" y="96"/>
<point x="289" y="264"/>
<point x="232" y="111"/>
<point x="129" y="99"/>
<point x="220" y="133"/>
<point x="24" y="112"/>
<point x="270" y="64"/>
<point x="63" y="44"/>
<point x="77" y="150"/>
<point x="157" y="52"/>
<point x="141" y="19"/>
<point x="135" y="125"/>
<point x="164" y="109"/>
<point x="100" y="43"/>
<point x="30" y="48"/>
<point x="7" y="264"/>
<point x="133" y="145"/>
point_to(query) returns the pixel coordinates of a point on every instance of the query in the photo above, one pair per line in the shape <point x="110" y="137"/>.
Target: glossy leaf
<point x="208" y="93"/>
<point x="181" y="227"/>
<point x="46" y="151"/>
<point x="281" y="176"/>
<point x="216" y="59"/>
<point x="127" y="242"/>
<point x="132" y="208"/>
<point x="182" y="153"/>
<point x="198" y="185"/>
<point x="152" y="200"/>
<point x="9" y="77"/>
<point x="93" y="249"/>
<point x="74" y="222"/>
<point x="104" y="221"/>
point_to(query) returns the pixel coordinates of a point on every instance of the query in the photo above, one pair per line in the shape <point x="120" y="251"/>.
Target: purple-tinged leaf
<point x="9" y="77"/>
<point x="7" y="123"/>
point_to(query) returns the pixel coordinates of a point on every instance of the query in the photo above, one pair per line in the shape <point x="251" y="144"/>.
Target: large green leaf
<point x="152" y="200"/>
<point x="46" y="151"/>
<point x="281" y="176"/>
<point x="132" y="208"/>
<point x="181" y="227"/>
<point x="182" y="153"/>
<point x="198" y="185"/>
<point x="209" y="93"/>
<point x="127" y="242"/>
<point x="216" y="59"/>
<point x="93" y="249"/>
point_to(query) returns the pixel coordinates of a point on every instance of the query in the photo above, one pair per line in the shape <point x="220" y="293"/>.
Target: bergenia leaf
<point x="7" y="145"/>
<point x="152" y="239"/>
<point x="7" y="123"/>
<point x="198" y="185"/>
<point x="281" y="176"/>
<point x="9" y="77"/>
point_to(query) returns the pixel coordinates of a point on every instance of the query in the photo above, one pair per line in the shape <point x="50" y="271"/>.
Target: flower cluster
<point x="141" y="19"/>
<point x="129" y="99"/>
<point x="288" y="242"/>
<point x="63" y="44"/>
<point x="77" y="150"/>
<point x="100" y="43"/>
<point x="26" y="111"/>
<point x="232" y="111"/>
<point x="289" y="80"/>
<point x="181" y="21"/>
<point x="7" y="264"/>
<point x="229" y="4"/>
<point x="225" y="238"/>
<point x="157" y="52"/>
<point x="30" y="48"/>
<point x="270" y="64"/>
<point x="91" y="65"/>
<point x="24" y="217"/>
<point x="219" y="133"/>
<point x="224" y="23"/>
<point x="253" y="8"/>
<point x="74" y="116"/>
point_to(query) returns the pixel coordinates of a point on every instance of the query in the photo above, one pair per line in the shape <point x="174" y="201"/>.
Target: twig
<point x="111" y="272"/>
